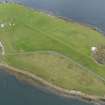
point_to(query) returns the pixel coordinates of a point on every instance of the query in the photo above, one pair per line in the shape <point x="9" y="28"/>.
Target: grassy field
<point x="56" y="50"/>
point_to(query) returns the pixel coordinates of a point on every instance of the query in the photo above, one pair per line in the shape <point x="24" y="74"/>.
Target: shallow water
<point x="15" y="92"/>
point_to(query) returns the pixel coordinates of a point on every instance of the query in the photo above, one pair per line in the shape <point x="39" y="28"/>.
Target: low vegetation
<point x="56" y="50"/>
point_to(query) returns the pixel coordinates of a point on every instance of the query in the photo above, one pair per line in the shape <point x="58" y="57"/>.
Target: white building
<point x="2" y="25"/>
<point x="93" y="49"/>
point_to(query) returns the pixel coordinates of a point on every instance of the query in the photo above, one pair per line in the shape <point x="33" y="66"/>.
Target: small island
<point x="52" y="50"/>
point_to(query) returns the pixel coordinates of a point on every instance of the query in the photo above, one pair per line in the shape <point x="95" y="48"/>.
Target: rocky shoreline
<point x="33" y="80"/>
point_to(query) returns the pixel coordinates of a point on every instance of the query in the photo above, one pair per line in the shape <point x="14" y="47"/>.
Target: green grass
<point x="37" y="32"/>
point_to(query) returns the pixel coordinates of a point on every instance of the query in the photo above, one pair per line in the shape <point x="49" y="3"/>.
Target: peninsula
<point x="55" y="50"/>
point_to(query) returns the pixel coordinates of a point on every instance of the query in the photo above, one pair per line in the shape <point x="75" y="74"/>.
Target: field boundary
<point x="70" y="59"/>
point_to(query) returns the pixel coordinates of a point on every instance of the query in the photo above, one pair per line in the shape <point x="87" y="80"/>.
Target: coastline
<point x="53" y="14"/>
<point x="34" y="80"/>
<point x="30" y="78"/>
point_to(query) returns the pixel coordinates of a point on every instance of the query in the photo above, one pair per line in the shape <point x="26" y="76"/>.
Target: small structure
<point x="49" y="15"/>
<point x="2" y="25"/>
<point x="93" y="49"/>
<point x="2" y="48"/>
<point x="11" y="24"/>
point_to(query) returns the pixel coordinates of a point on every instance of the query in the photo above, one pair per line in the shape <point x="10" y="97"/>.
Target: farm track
<point x="70" y="59"/>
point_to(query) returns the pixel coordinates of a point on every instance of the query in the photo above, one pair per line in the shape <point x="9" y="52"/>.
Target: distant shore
<point x="50" y="13"/>
<point x="33" y="80"/>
